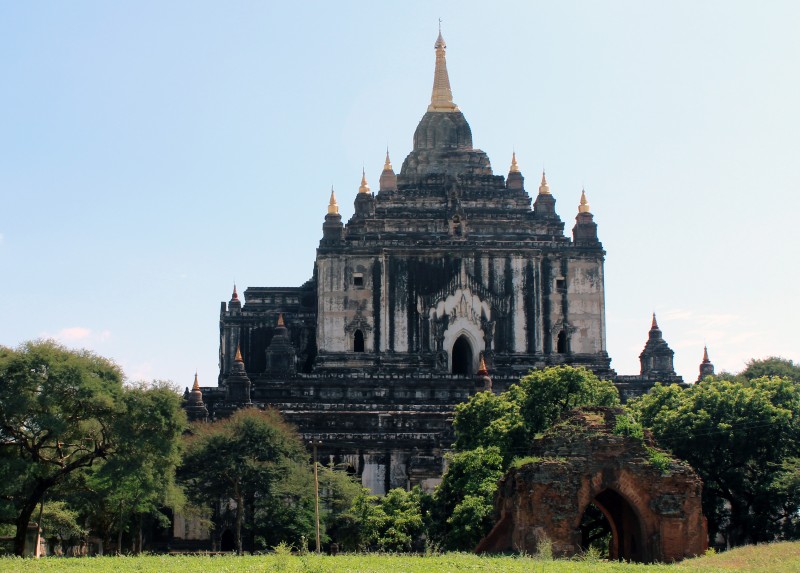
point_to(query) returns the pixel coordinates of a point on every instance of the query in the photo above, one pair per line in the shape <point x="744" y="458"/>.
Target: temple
<point x="450" y="279"/>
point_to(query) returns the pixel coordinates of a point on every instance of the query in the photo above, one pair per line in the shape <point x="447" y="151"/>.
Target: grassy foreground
<point x="777" y="557"/>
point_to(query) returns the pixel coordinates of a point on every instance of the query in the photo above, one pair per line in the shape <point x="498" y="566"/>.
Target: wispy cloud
<point x="78" y="335"/>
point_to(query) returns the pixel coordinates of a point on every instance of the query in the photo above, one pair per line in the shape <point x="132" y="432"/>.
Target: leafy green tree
<point x="57" y="415"/>
<point x="743" y="439"/>
<point x="60" y="523"/>
<point x="510" y="420"/>
<point x="772" y="366"/>
<point x="241" y="458"/>
<point x="462" y="505"/>
<point x="389" y="523"/>
<point x="139" y="480"/>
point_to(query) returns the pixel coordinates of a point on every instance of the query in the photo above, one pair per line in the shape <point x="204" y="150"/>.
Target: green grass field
<point x="777" y="557"/>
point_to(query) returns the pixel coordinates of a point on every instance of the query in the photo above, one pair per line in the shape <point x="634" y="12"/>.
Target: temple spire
<point x="654" y="326"/>
<point x="544" y="188"/>
<point x="280" y="320"/>
<point x="442" y="95"/>
<point x="387" y="166"/>
<point x="196" y="385"/>
<point x="235" y="295"/>
<point x="333" y="206"/>
<point x="364" y="186"/>
<point x="584" y="206"/>
<point x="238" y="357"/>
<point x="705" y="355"/>
<point x="514" y="167"/>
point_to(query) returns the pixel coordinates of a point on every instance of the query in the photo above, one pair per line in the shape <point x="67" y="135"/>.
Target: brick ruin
<point x="586" y="480"/>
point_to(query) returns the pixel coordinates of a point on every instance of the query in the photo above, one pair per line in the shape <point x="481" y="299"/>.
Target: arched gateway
<point x="592" y="486"/>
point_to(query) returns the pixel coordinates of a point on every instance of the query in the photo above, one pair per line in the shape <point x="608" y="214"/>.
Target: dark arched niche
<point x="462" y="356"/>
<point x="358" y="341"/>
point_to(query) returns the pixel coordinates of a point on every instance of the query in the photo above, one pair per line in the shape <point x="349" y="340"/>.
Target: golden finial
<point x="544" y="188"/>
<point x="387" y="166"/>
<point x="280" y="320"/>
<point x="655" y="324"/>
<point x="584" y="206"/>
<point x="235" y="294"/>
<point x="238" y="357"/>
<point x="705" y="355"/>
<point x="514" y="167"/>
<point x="364" y="187"/>
<point x="482" y="371"/>
<point x="333" y="206"/>
<point x="442" y="95"/>
<point x="196" y="385"/>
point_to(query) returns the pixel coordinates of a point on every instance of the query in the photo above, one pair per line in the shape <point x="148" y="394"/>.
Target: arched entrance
<point x="462" y="356"/>
<point x="610" y="520"/>
<point x="358" y="341"/>
<point x="227" y="541"/>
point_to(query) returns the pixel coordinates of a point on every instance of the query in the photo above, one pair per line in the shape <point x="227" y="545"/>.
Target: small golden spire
<point x="280" y="320"/>
<point x="238" y="357"/>
<point x="514" y="167"/>
<point x="333" y="206"/>
<point x="364" y="186"/>
<point x="544" y="188"/>
<point x="442" y="95"/>
<point x="584" y="206"/>
<point x="235" y="294"/>
<point x="655" y="324"/>
<point x="387" y="166"/>
<point x="705" y="355"/>
<point x="196" y="385"/>
<point x="482" y="371"/>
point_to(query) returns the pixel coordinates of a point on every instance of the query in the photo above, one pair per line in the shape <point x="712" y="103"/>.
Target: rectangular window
<point x="561" y="284"/>
<point x="358" y="280"/>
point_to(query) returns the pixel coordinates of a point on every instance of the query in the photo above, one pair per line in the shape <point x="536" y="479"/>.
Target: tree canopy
<point x="744" y="441"/>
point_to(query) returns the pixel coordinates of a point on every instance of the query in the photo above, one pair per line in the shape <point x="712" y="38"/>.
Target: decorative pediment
<point x="359" y="322"/>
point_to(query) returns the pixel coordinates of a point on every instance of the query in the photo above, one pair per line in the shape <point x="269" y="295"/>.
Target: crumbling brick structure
<point x="650" y="502"/>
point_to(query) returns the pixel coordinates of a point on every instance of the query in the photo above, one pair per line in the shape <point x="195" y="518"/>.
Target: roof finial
<point x="364" y="186"/>
<point x="655" y="324"/>
<point x="238" y="357"/>
<point x="280" y="320"/>
<point x="584" y="206"/>
<point x="196" y="385"/>
<point x="235" y="295"/>
<point x="387" y="166"/>
<point x="705" y="355"/>
<point x="482" y="371"/>
<point x="333" y="206"/>
<point x="514" y="167"/>
<point x="442" y="95"/>
<point x="544" y="188"/>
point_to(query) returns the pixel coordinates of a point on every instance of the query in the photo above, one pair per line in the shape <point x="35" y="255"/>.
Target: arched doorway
<point x="227" y="541"/>
<point x="561" y="343"/>
<point x="462" y="356"/>
<point x="610" y="519"/>
<point x="358" y="341"/>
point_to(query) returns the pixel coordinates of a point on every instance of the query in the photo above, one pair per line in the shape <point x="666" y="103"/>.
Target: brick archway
<point x="655" y="513"/>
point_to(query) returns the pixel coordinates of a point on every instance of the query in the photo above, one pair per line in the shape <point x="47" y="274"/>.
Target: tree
<point x="772" y="366"/>
<point x="743" y="439"/>
<point x="389" y="523"/>
<point x="139" y="479"/>
<point x="510" y="420"/>
<point x="240" y="458"/>
<point x="57" y="412"/>
<point x="462" y="505"/>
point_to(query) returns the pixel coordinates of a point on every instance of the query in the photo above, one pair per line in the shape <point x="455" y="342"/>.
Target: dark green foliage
<point x="390" y="523"/>
<point x="252" y="455"/>
<point x="772" y="366"/>
<point x="743" y="439"/>
<point x="461" y="509"/>
<point x="627" y="426"/>
<point x="59" y="408"/>
<point x="510" y="420"/>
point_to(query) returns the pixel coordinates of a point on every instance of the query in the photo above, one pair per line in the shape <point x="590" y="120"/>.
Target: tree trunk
<point x="141" y="536"/>
<point x="239" y="517"/>
<point x="119" y="539"/>
<point x="24" y="517"/>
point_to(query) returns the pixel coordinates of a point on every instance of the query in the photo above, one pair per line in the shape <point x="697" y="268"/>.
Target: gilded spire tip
<point x="442" y="95"/>
<point x="364" y="186"/>
<point x="387" y="166"/>
<point x="238" y="357"/>
<point x="705" y="355"/>
<point x="196" y="385"/>
<point x="655" y="324"/>
<point x="514" y="167"/>
<point x="333" y="206"/>
<point x="544" y="188"/>
<point x="235" y="295"/>
<point x="280" y="320"/>
<point x="584" y="206"/>
<point x="482" y="370"/>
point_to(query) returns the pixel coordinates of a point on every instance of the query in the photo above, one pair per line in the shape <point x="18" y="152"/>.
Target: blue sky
<point x="151" y="153"/>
